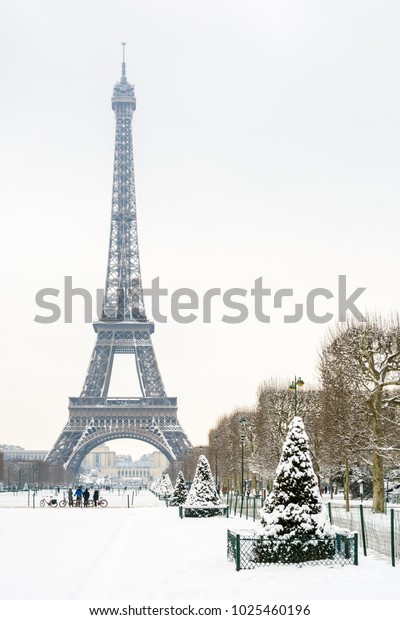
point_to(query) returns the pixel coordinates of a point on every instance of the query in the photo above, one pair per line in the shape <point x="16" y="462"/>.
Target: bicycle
<point x="76" y="502"/>
<point x="103" y="503"/>
<point x="51" y="502"/>
<point x="65" y="502"/>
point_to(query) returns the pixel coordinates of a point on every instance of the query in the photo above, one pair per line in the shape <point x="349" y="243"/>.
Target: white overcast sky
<point x="267" y="143"/>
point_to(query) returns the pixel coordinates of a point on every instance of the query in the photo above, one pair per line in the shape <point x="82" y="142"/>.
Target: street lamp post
<point x="242" y="423"/>
<point x="361" y="483"/>
<point x="297" y="383"/>
<point x="216" y="458"/>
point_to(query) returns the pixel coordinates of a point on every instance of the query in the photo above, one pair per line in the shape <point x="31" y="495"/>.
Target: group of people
<point x="82" y="495"/>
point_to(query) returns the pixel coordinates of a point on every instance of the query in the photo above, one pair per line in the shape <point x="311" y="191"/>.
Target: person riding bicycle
<point x="78" y="495"/>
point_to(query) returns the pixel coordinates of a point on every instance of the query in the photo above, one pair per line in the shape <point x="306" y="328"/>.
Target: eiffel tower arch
<point x="124" y="329"/>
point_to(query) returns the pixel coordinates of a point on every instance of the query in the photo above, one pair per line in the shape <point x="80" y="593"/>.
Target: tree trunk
<point x="347" y="486"/>
<point x="317" y="473"/>
<point x="378" y="484"/>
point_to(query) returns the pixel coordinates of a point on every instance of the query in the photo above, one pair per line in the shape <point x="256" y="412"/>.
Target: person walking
<point x="86" y="496"/>
<point x="96" y="496"/>
<point x="70" y="497"/>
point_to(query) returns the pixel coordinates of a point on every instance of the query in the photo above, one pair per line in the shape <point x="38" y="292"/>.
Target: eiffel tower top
<point x="123" y="299"/>
<point x="124" y="92"/>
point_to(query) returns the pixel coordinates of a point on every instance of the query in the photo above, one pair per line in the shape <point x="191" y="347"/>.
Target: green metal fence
<point x="380" y="532"/>
<point x="249" y="550"/>
<point x="245" y="507"/>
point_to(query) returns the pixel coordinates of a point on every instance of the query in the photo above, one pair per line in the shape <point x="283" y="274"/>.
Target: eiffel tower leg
<point x="147" y="367"/>
<point x="98" y="375"/>
<point x="108" y="373"/>
<point x="64" y="446"/>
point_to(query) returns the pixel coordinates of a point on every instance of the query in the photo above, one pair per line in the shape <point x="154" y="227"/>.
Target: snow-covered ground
<point x="148" y="553"/>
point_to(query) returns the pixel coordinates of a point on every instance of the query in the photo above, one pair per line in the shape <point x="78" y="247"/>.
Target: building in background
<point x="16" y="453"/>
<point x="23" y="469"/>
<point x="104" y="466"/>
<point x="101" y="458"/>
<point x="27" y="469"/>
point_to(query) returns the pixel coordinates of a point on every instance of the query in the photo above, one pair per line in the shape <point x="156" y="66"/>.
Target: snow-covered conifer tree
<point x="294" y="508"/>
<point x="166" y="487"/>
<point x="180" y="491"/>
<point x="203" y="491"/>
<point x="155" y="486"/>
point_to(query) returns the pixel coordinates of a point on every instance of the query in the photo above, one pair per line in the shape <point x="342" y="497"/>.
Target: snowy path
<point x="148" y="553"/>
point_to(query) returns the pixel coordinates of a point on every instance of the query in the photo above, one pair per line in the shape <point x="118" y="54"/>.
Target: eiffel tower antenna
<point x="123" y="60"/>
<point x="94" y="416"/>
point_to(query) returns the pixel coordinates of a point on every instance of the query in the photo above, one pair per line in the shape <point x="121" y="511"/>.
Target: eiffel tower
<point x="123" y="329"/>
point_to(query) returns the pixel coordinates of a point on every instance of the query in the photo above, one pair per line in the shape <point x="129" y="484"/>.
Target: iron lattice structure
<point x="94" y="417"/>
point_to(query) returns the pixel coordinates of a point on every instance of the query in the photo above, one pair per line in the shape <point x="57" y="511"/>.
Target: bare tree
<point x="275" y="410"/>
<point x="224" y="449"/>
<point x="273" y="413"/>
<point x="367" y="355"/>
<point x="342" y="430"/>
